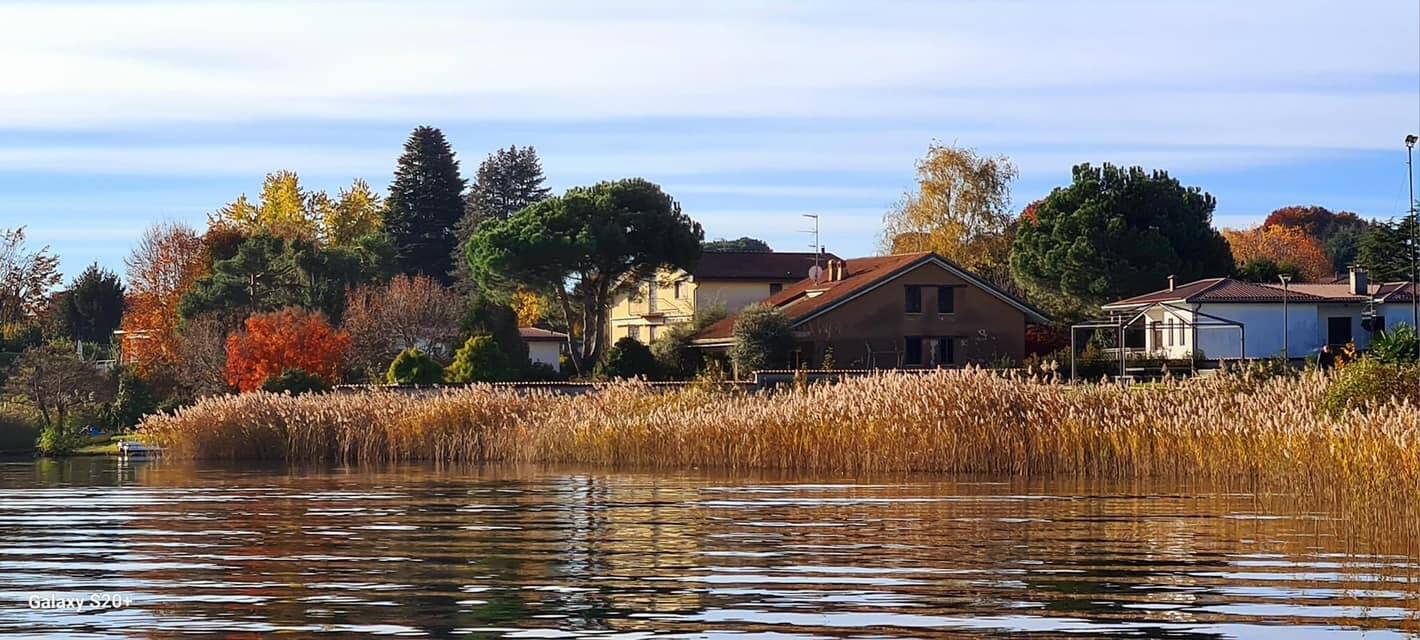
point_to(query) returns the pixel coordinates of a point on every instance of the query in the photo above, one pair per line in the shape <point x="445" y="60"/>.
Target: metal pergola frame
<point x="1120" y="325"/>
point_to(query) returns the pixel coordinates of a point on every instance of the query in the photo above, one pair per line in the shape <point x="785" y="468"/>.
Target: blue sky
<point x="117" y="114"/>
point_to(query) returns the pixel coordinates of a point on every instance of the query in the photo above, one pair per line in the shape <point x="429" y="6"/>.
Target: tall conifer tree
<point x="424" y="205"/>
<point x="506" y="182"/>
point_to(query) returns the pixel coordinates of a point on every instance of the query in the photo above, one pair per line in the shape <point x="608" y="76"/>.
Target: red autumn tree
<point x="281" y="340"/>
<point x="1317" y="222"/>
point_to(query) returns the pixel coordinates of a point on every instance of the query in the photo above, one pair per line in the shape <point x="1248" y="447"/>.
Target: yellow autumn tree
<point x="960" y="209"/>
<point x="530" y="307"/>
<point x="356" y="212"/>
<point x="1283" y="246"/>
<point x="284" y="210"/>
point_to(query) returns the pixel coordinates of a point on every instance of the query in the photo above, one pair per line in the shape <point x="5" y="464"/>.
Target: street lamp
<point x="1286" y="346"/>
<point x="1411" y="218"/>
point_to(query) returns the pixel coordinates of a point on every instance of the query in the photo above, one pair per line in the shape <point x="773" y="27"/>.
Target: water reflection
<point x="552" y="552"/>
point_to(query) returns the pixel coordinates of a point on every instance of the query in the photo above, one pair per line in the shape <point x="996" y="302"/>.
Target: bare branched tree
<point x="409" y="312"/>
<point x="26" y="277"/>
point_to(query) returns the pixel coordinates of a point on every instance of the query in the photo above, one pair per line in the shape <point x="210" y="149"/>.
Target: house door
<point x="939" y="352"/>
<point x="1338" y="330"/>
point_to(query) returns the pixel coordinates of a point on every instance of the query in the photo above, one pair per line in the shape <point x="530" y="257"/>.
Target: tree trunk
<point x="572" y="350"/>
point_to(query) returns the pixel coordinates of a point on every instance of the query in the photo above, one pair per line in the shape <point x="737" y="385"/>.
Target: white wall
<point x="1307" y="328"/>
<point x="1396" y="314"/>
<point x="546" y="352"/>
<point x="1263" y="324"/>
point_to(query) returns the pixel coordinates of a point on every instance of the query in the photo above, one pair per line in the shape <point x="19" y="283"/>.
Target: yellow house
<point x="729" y="280"/>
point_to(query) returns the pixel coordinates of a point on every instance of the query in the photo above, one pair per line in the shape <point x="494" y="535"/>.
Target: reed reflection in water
<point x="575" y="552"/>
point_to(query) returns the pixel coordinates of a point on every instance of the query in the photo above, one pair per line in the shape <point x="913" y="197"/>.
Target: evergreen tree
<point x="1384" y="250"/>
<point x="628" y="358"/>
<point x="425" y="203"/>
<point x="1113" y="233"/>
<point x="583" y="248"/>
<point x="267" y="273"/>
<point x="742" y="243"/>
<point x="94" y="305"/>
<point x="507" y="182"/>
<point x="763" y="339"/>
<point x="480" y="359"/>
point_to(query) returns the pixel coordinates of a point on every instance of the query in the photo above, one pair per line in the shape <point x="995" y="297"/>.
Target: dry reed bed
<point x="953" y="421"/>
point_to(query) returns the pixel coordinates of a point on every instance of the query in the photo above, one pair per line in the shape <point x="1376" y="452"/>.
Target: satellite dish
<point x="814" y="272"/>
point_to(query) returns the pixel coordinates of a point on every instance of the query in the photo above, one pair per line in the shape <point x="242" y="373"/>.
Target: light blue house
<point x="1226" y="318"/>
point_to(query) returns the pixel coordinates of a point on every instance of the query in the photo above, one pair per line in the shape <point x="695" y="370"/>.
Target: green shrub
<point x="59" y="439"/>
<point x="485" y="317"/>
<point x="296" y="382"/>
<point x="413" y="366"/>
<point x="480" y="359"/>
<point x="1367" y="383"/>
<point x="675" y="357"/>
<point x="628" y="358"/>
<point x="542" y="372"/>
<point x="762" y="340"/>
<point x="1394" y="346"/>
<point x="133" y="400"/>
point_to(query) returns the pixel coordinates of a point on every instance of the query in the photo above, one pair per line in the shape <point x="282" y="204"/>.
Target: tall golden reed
<point x="968" y="421"/>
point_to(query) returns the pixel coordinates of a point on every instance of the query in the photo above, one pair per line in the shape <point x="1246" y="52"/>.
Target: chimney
<point x="1359" y="286"/>
<point x="835" y="270"/>
<point x="1170" y="282"/>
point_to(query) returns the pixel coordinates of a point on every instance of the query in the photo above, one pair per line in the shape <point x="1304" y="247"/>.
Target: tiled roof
<point x="536" y="334"/>
<point x="1226" y="290"/>
<point x="1396" y="292"/>
<point x="756" y="265"/>
<point x="805" y="298"/>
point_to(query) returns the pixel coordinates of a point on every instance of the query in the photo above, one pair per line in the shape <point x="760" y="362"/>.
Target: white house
<point x="1216" y="317"/>
<point x="544" y="346"/>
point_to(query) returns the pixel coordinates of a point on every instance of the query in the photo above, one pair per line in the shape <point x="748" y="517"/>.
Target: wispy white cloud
<point x="696" y="95"/>
<point x="1245" y="73"/>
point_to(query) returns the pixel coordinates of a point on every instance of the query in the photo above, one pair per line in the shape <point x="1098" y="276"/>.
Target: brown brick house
<point x="906" y="310"/>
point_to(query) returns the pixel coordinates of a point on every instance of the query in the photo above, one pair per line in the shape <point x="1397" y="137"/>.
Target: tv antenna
<point x="816" y="270"/>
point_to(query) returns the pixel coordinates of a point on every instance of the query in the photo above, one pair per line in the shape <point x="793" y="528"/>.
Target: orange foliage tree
<point x="164" y="266"/>
<point x="281" y="340"/>
<point x="1318" y="222"/>
<point x="1282" y="245"/>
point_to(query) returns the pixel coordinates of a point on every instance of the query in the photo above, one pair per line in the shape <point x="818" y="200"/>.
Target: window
<point x="923" y="351"/>
<point x="945" y="352"/>
<point x="1168" y="331"/>
<point x="946" y="299"/>
<point x="913" y="348"/>
<point x="651" y="296"/>
<point x="1338" y="330"/>
<point x="653" y="332"/>
<point x="679" y="290"/>
<point x="914" y="300"/>
<point x="1182" y="329"/>
<point x="633" y="332"/>
<point x="775" y="287"/>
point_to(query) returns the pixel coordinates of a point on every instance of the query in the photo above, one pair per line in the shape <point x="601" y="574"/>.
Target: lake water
<point x="166" y="548"/>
